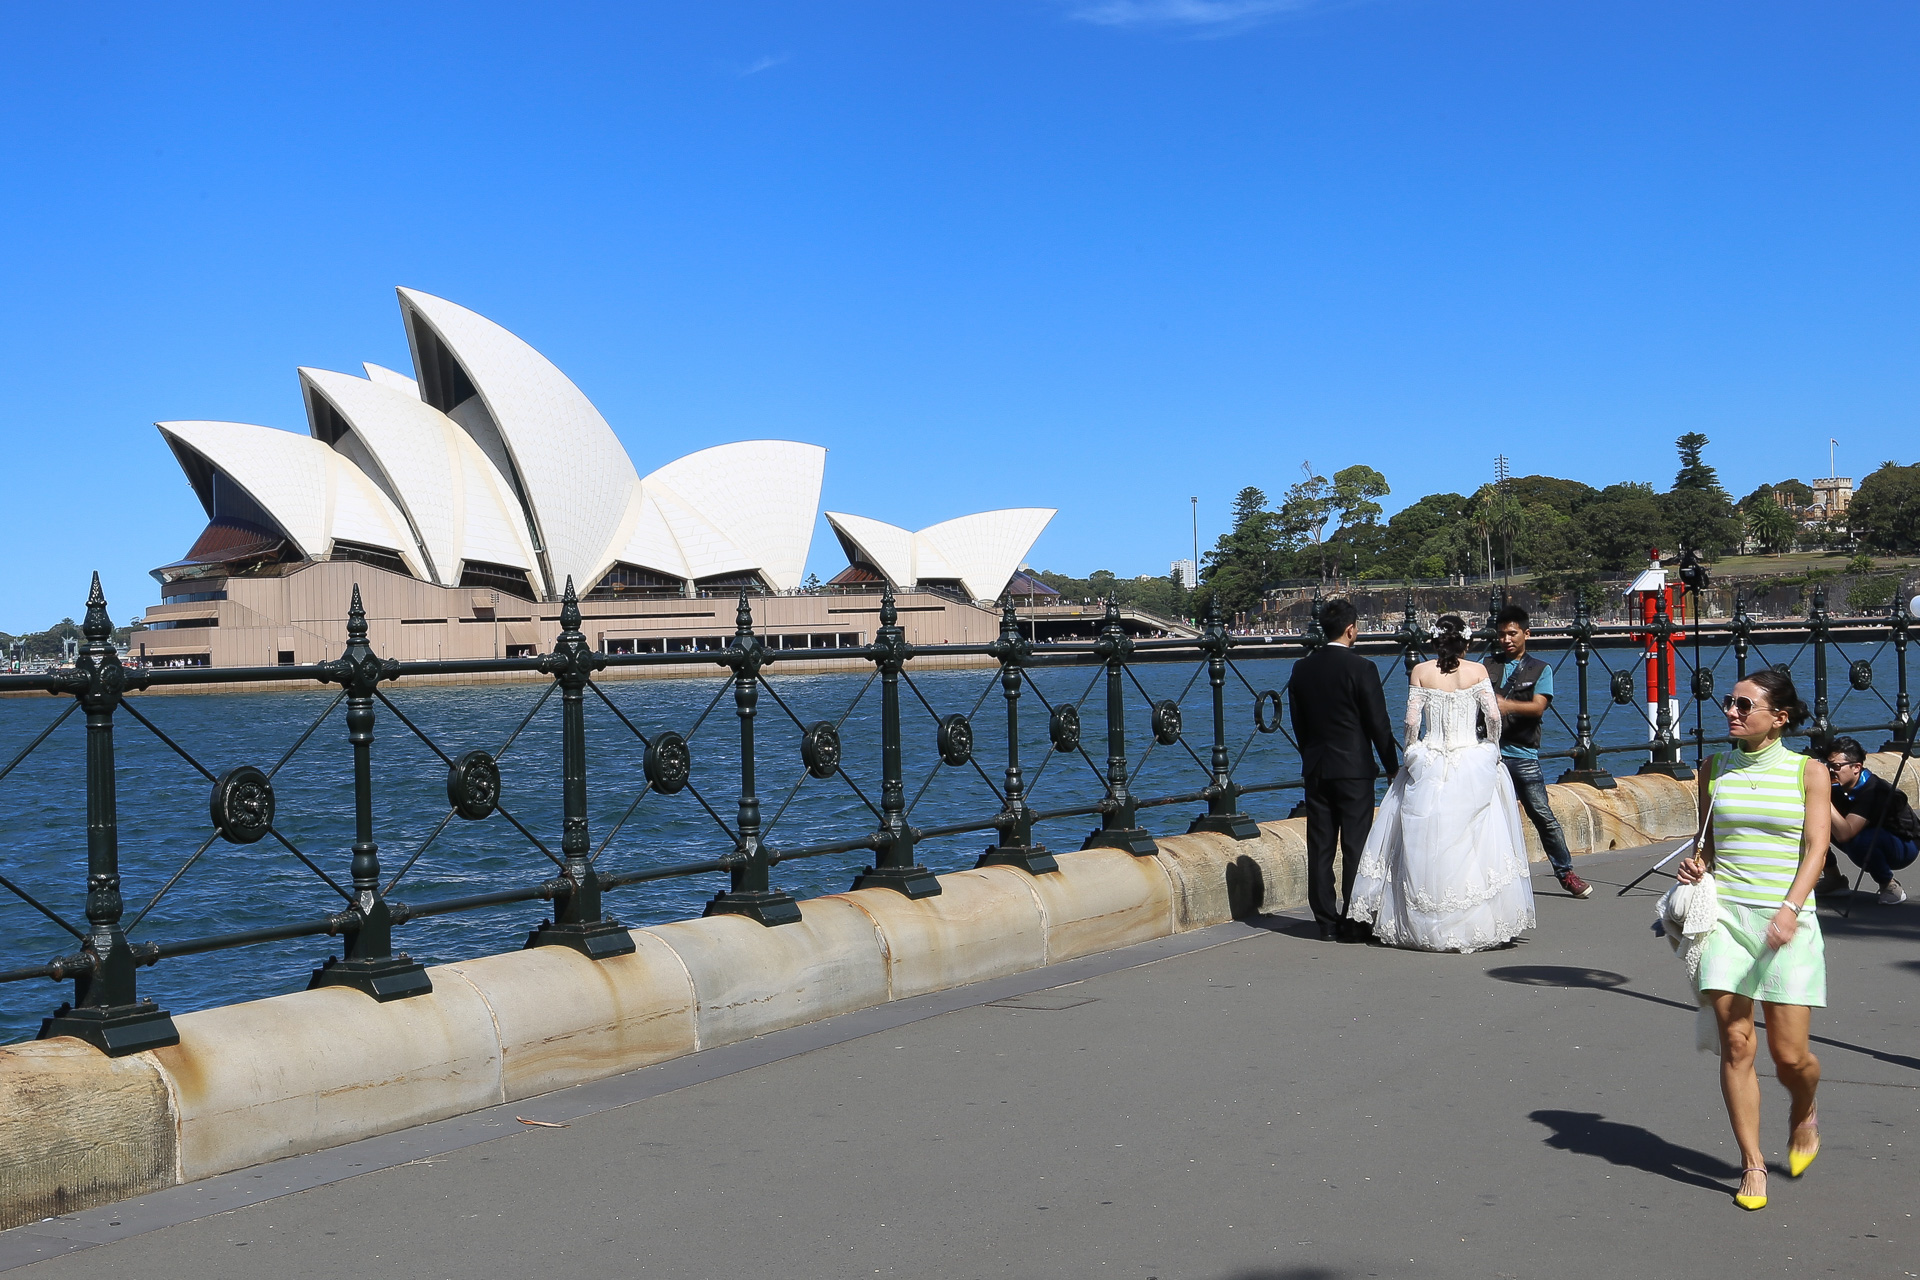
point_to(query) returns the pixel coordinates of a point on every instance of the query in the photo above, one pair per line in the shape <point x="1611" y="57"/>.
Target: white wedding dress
<point x="1445" y="867"/>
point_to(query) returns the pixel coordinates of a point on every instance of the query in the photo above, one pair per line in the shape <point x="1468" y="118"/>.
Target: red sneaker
<point x="1575" y="886"/>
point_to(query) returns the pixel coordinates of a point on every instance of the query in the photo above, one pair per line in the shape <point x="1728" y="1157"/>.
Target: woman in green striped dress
<point x="1766" y="846"/>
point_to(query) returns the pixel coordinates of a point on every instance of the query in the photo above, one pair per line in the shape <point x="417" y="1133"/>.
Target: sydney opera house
<point x="464" y="498"/>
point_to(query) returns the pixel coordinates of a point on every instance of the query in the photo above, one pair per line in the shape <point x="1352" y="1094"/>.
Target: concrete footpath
<point x="1242" y="1103"/>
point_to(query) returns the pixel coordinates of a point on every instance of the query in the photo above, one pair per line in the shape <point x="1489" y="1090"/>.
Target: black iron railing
<point x="108" y="1011"/>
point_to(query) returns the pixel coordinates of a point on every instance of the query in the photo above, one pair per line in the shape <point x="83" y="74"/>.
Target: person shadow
<point x="1628" y="1145"/>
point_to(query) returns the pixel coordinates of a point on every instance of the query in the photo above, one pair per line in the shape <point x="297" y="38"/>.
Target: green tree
<point x="1497" y="516"/>
<point x="1694" y="473"/>
<point x="1885" y="513"/>
<point x="1304" y="514"/>
<point x="1700" y="520"/>
<point x="1770" y="526"/>
<point x="1242" y="561"/>
<point x="1796" y="496"/>
<point x="1354" y="491"/>
<point x="1428" y="539"/>
<point x="1621" y="524"/>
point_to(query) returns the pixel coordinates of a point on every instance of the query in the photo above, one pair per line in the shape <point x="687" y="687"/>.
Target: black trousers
<point x="1342" y="808"/>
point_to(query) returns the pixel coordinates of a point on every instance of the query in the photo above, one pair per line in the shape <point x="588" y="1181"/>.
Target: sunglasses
<point x="1742" y="707"/>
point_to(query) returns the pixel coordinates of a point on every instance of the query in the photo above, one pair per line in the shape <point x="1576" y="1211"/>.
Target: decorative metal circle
<point x="1063" y="727"/>
<point x="1265" y="723"/>
<point x="1703" y="685"/>
<point x="1623" y="687"/>
<point x="668" y="763"/>
<point x="956" y="739"/>
<point x="820" y="749"/>
<point x="473" y="785"/>
<point x="1860" y="674"/>
<point x="1166" y="722"/>
<point x="242" y="804"/>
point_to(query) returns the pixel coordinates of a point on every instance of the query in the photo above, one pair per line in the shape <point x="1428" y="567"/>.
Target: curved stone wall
<point x="295" y="1073"/>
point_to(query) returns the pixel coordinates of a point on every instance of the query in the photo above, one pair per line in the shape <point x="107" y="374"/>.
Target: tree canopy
<point x="1885" y="513"/>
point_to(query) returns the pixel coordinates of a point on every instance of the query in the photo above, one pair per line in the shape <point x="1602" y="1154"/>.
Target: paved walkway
<point x="1267" y="1108"/>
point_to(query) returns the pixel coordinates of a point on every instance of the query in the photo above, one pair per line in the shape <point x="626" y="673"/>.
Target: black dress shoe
<point x="1328" y="933"/>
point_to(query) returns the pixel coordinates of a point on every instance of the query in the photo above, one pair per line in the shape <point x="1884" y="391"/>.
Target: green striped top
<point x="1759" y="809"/>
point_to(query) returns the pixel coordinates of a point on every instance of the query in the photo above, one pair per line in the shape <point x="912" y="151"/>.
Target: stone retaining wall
<point x="296" y="1073"/>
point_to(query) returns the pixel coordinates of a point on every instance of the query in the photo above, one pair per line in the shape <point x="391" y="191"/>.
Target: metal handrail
<point x="108" y="1011"/>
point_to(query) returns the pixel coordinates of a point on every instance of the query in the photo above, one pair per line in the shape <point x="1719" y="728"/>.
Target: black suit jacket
<point x="1340" y="715"/>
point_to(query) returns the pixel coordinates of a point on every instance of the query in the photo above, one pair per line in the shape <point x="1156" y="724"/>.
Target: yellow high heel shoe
<point x="1751" y="1202"/>
<point x="1797" y="1161"/>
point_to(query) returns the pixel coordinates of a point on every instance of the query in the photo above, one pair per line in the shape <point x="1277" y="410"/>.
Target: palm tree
<point x="1770" y="526"/>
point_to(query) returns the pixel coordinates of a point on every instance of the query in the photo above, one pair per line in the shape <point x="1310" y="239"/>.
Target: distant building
<point x="1183" y="573"/>
<point x="1832" y="495"/>
<point x="463" y="500"/>
<point x="973" y="557"/>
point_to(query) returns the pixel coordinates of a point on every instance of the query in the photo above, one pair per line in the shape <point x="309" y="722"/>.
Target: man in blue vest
<point x="1524" y="687"/>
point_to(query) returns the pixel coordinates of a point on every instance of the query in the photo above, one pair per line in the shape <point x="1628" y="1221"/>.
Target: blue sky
<point x="1094" y="254"/>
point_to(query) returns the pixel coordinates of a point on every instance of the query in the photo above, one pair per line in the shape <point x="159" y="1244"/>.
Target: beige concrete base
<point x="78" y="1128"/>
<point x="296" y="1073"/>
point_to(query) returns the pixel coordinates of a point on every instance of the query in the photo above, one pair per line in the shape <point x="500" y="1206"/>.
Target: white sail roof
<point x="387" y="377"/>
<point x="458" y="504"/>
<point x="313" y="493"/>
<point x="981" y="551"/>
<point x="575" y="478"/>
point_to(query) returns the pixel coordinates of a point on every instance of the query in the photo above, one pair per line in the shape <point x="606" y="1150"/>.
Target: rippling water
<point x="163" y="803"/>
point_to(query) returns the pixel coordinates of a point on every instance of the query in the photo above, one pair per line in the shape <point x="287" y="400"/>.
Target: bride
<point x="1445" y="866"/>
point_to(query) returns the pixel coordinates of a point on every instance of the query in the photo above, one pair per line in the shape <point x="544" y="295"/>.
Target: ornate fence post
<point x="1315" y="636"/>
<point x="1223" y="797"/>
<point x="1586" y="753"/>
<point x="1666" y="748"/>
<point x="1902" y="712"/>
<point x="368" y="963"/>
<point x="107" y="1011"/>
<point x="1741" y="626"/>
<point x="1119" y="825"/>
<point x="577" y="919"/>
<point x="894" y="865"/>
<point x="1016" y="847"/>
<point x="1411" y="636"/>
<point x="751" y="892"/>
<point x="1820" y="731"/>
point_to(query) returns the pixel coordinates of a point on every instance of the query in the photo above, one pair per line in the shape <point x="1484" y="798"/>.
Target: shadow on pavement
<point x="1589" y="1134"/>
<point x="1287" y="1273"/>
<point x="1870" y="920"/>
<point x="1543" y="975"/>
<point x="1557" y="975"/>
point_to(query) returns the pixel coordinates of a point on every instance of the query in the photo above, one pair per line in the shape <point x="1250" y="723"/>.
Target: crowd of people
<point x="1442" y="865"/>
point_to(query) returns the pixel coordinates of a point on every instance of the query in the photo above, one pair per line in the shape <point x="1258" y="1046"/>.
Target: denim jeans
<point x="1880" y="851"/>
<point x="1531" y="786"/>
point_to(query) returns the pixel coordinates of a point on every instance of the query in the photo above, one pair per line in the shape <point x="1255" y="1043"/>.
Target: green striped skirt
<point x="1736" y="958"/>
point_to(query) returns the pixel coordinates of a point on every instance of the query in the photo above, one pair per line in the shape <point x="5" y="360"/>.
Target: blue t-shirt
<point x="1542" y="687"/>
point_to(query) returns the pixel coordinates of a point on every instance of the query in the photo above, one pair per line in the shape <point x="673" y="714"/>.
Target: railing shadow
<point x="1606" y="980"/>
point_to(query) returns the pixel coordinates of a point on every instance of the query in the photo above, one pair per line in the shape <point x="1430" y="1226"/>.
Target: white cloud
<point x="764" y="63"/>
<point x="1213" y="16"/>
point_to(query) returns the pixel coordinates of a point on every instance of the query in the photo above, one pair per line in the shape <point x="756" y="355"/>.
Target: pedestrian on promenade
<point x="1525" y="686"/>
<point x="1445" y="867"/>
<point x="1872" y="823"/>
<point x="1340" y="721"/>
<point x="1766" y="845"/>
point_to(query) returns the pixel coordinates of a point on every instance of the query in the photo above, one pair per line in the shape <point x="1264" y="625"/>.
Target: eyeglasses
<point x="1742" y="707"/>
<point x="1844" y="764"/>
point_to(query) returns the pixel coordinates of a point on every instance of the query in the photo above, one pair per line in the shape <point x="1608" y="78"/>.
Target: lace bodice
<point x="1450" y="716"/>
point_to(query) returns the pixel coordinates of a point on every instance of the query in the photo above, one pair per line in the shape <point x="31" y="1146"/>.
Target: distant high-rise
<point x="1183" y="573"/>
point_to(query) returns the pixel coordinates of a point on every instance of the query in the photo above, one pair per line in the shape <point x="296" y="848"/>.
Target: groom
<point x="1340" y="720"/>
